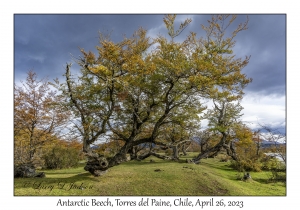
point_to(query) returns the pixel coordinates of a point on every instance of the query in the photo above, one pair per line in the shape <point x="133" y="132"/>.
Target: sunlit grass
<point x="140" y="178"/>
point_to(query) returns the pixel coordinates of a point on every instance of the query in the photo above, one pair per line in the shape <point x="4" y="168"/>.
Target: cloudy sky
<point x="44" y="43"/>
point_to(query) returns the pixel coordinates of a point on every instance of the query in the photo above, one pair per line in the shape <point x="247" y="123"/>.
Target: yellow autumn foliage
<point x="100" y="69"/>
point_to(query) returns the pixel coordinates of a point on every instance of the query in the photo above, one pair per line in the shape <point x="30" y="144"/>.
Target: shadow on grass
<point x="147" y="162"/>
<point x="36" y="183"/>
<point x="78" y="176"/>
<point x="262" y="181"/>
<point x="223" y="166"/>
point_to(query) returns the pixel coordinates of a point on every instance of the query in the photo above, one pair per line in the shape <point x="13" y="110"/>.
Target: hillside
<point x="153" y="178"/>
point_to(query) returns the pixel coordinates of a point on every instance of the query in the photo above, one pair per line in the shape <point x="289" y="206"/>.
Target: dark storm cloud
<point x="44" y="42"/>
<point x="265" y="41"/>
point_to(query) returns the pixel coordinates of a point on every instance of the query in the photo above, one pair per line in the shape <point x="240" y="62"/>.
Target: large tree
<point x="140" y="86"/>
<point x="98" y="96"/>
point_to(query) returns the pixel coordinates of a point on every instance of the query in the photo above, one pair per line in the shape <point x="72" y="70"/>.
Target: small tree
<point x="205" y="139"/>
<point x="246" y="150"/>
<point x="222" y="120"/>
<point x="62" y="154"/>
<point x="258" y="141"/>
<point x="37" y="118"/>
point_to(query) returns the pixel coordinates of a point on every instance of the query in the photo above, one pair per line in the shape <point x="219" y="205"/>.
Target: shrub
<point x="278" y="176"/>
<point x="60" y="156"/>
<point x="248" y="158"/>
<point x="277" y="168"/>
<point x="272" y="163"/>
<point x="246" y="165"/>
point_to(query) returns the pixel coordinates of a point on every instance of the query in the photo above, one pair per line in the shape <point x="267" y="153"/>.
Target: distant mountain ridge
<point x="266" y="144"/>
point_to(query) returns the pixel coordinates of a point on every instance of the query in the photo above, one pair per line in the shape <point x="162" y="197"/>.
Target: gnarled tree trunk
<point x="27" y="171"/>
<point x="216" y="149"/>
<point x="96" y="164"/>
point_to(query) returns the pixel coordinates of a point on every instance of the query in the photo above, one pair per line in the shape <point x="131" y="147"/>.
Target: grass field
<point x="140" y="178"/>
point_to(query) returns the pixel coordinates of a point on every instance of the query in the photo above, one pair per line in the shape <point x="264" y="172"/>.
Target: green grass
<point x="139" y="178"/>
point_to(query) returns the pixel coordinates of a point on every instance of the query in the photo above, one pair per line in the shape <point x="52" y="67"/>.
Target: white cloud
<point x="153" y="32"/>
<point x="269" y="110"/>
<point x="182" y="18"/>
<point x="40" y="58"/>
<point x="265" y="110"/>
<point x="22" y="39"/>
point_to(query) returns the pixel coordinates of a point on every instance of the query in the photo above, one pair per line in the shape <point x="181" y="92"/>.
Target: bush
<point x="246" y="165"/>
<point x="278" y="175"/>
<point x="277" y="168"/>
<point x="59" y="157"/>
<point x="272" y="163"/>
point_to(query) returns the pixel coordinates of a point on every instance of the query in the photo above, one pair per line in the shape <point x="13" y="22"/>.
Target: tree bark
<point x="184" y="149"/>
<point x="86" y="146"/>
<point x="133" y="153"/>
<point x="144" y="156"/>
<point x="175" y="152"/>
<point x="207" y="153"/>
<point x="96" y="165"/>
<point x="164" y="157"/>
<point x="216" y="149"/>
<point x="231" y="151"/>
<point x="121" y="155"/>
<point x="27" y="171"/>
